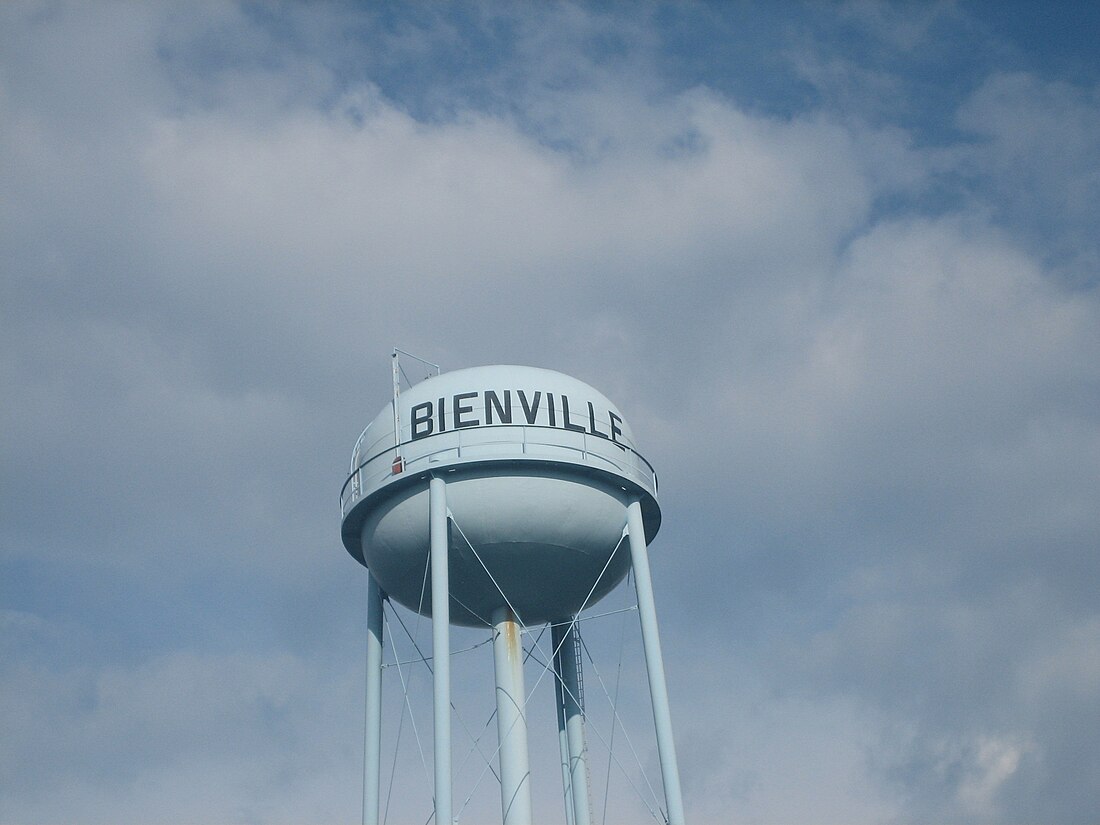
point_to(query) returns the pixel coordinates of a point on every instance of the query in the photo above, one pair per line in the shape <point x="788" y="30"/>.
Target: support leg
<point x="441" y="646"/>
<point x="567" y="644"/>
<point x="372" y="747"/>
<point x="515" y="771"/>
<point x="655" y="668"/>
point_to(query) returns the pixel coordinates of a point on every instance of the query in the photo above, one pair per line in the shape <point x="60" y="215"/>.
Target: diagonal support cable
<point x="489" y="573"/>
<point x="547" y="665"/>
<point x="425" y="660"/>
<point x="573" y="621"/>
<point x="615" y="702"/>
<point x="412" y="718"/>
<point x="591" y="726"/>
<point x="616" y="718"/>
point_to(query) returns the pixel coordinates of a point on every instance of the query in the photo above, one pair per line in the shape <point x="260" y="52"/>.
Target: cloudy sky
<point x="839" y="264"/>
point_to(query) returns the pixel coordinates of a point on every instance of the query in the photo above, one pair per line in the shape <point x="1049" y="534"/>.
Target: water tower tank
<point x="540" y="469"/>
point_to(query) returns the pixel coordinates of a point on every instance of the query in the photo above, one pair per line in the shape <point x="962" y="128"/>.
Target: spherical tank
<point x="539" y="469"/>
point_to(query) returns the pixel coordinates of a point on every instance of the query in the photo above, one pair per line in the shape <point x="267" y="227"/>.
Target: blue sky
<point x="837" y="263"/>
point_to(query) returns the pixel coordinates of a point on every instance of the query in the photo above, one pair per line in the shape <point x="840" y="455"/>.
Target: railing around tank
<point x="473" y="444"/>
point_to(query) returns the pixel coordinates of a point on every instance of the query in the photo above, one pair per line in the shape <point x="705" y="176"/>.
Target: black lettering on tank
<point x="616" y="430"/>
<point x="422" y="424"/>
<point x="461" y="409"/>
<point x="442" y="411"/>
<point x="550" y="412"/>
<point x="504" y="411"/>
<point x="592" y="422"/>
<point x="565" y="422"/>
<point x="530" y="411"/>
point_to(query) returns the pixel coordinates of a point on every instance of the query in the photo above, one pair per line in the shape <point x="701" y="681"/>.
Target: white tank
<point x="539" y="468"/>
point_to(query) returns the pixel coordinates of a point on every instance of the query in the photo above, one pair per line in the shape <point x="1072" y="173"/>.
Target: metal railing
<point x="530" y="441"/>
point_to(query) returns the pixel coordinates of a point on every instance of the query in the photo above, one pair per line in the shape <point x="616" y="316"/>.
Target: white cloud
<point x="995" y="762"/>
<point x="179" y="737"/>
<point x="1039" y="154"/>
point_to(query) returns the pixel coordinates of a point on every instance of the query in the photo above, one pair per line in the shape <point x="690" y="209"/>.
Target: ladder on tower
<point x="579" y="670"/>
<point x="577" y="661"/>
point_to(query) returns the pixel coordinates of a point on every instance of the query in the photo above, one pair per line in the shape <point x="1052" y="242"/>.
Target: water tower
<point x="519" y="488"/>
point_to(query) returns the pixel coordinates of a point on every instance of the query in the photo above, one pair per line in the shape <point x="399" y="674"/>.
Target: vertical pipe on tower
<point x="372" y="745"/>
<point x="655" y="668"/>
<point x="567" y="644"/>
<point x="515" y="771"/>
<point x="438" y="528"/>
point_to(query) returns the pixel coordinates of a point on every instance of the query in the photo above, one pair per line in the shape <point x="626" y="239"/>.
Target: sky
<point x="837" y="263"/>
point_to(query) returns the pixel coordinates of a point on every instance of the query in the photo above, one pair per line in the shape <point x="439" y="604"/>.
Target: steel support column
<point x="515" y="771"/>
<point x="372" y="745"/>
<point x="439" y="528"/>
<point x="655" y="668"/>
<point x="567" y="670"/>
